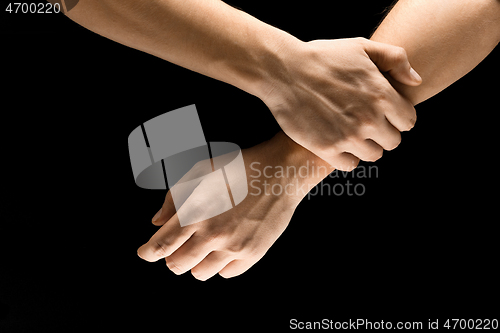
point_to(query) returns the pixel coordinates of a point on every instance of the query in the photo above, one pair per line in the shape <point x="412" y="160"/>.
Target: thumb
<point x="393" y="60"/>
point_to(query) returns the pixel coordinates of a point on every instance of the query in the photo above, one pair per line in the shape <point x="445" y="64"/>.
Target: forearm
<point x="206" y="36"/>
<point x="444" y="39"/>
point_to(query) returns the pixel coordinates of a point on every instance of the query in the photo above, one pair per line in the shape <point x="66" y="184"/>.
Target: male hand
<point x="331" y="97"/>
<point x="232" y="242"/>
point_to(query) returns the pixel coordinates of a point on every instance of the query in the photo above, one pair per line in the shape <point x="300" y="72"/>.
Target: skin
<point x="361" y="117"/>
<point x="233" y="241"/>
<point x="358" y="119"/>
<point x="444" y="40"/>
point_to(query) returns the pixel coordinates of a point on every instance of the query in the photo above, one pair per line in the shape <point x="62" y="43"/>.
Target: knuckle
<point x="381" y="93"/>
<point x="399" y="54"/>
<point x="365" y="124"/>
<point x="348" y="139"/>
<point x="356" y="133"/>
<point x="410" y="123"/>
<point x="333" y="149"/>
<point x="174" y="267"/>
<point x="413" y="121"/>
<point x="368" y="123"/>
<point x="349" y="167"/>
<point x="159" y="248"/>
<point x="243" y="248"/>
<point x="238" y="249"/>
<point x="410" y="118"/>
<point x="212" y="234"/>
<point x="345" y="162"/>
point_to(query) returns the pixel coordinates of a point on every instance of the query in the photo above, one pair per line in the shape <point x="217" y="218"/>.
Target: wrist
<point x="266" y="59"/>
<point x="301" y="168"/>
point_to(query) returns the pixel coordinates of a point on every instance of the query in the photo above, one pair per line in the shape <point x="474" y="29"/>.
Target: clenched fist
<point x="331" y="97"/>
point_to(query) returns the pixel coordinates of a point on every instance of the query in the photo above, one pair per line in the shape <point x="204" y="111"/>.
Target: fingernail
<point x="157" y="215"/>
<point x="415" y="75"/>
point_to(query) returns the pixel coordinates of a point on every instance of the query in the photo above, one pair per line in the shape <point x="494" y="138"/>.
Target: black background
<point x="419" y="245"/>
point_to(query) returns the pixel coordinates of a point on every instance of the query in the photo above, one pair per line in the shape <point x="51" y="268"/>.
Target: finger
<point x="237" y="267"/>
<point x="385" y="135"/>
<point x="166" y="211"/>
<point x="344" y="161"/>
<point x="166" y="240"/>
<point x="211" y="265"/>
<point x="189" y="254"/>
<point x="394" y="60"/>
<point x="366" y="150"/>
<point x="400" y="112"/>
